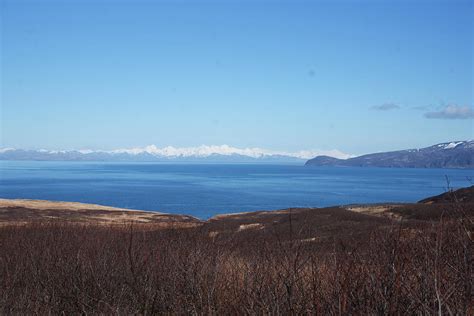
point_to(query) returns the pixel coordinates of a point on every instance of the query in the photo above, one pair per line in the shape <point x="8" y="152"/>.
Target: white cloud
<point x="452" y="112"/>
<point x="385" y="107"/>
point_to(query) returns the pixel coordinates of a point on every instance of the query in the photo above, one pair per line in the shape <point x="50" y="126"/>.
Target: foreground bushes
<point x="416" y="268"/>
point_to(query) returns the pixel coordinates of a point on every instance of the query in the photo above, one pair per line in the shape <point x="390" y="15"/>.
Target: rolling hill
<point x="458" y="154"/>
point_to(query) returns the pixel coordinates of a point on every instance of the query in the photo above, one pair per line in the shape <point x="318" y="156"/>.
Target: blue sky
<point x="358" y="76"/>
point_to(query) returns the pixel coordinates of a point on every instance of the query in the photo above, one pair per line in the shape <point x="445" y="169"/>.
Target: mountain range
<point x="457" y="154"/>
<point x="152" y="153"/>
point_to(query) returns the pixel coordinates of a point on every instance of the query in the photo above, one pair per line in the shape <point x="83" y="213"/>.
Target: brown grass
<point x="304" y="261"/>
<point x="27" y="211"/>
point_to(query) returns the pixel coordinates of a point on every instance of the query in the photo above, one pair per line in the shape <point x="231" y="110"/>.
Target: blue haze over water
<point x="204" y="190"/>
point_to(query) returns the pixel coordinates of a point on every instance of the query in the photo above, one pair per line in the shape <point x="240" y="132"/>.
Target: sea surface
<point x="204" y="190"/>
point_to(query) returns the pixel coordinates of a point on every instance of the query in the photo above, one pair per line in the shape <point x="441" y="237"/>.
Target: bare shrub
<point x="412" y="267"/>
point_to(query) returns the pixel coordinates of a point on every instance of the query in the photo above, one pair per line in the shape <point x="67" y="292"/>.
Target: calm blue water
<point x="204" y="190"/>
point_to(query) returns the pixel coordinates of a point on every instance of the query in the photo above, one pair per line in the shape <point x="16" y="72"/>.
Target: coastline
<point x="27" y="210"/>
<point x="22" y="211"/>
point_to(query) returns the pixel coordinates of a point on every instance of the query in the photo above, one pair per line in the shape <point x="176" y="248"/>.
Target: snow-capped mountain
<point x="458" y="154"/>
<point x="204" y="153"/>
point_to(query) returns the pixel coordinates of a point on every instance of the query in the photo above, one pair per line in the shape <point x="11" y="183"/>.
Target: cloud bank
<point x="385" y="107"/>
<point x="452" y="112"/>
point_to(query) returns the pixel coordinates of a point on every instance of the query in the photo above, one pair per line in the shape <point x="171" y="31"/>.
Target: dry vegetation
<point x="301" y="261"/>
<point x="31" y="211"/>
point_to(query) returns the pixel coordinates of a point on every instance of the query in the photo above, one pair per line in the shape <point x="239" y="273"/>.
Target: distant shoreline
<point x="23" y="210"/>
<point x="210" y="163"/>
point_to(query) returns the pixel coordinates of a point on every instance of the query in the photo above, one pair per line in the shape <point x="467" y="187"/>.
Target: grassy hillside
<point x="375" y="259"/>
<point x="35" y="211"/>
